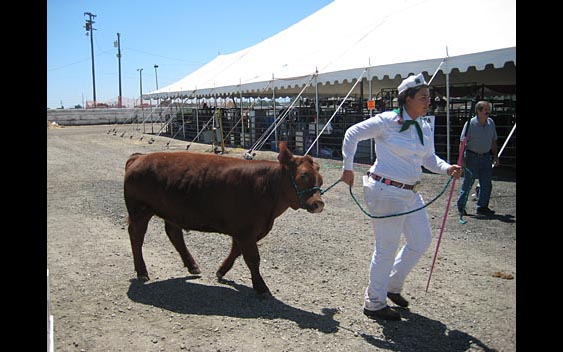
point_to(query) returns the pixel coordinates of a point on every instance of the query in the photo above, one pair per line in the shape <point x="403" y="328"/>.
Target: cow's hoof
<point x="194" y="271"/>
<point x="143" y="278"/>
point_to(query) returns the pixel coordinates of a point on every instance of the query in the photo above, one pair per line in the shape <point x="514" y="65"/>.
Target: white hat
<point x="411" y="81"/>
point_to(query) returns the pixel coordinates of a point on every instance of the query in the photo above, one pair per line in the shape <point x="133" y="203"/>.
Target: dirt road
<point x="315" y="264"/>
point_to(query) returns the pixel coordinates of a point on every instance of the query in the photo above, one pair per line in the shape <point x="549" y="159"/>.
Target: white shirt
<point x="400" y="155"/>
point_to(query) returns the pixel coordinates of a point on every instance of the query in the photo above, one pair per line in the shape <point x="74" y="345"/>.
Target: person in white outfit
<point x="404" y="143"/>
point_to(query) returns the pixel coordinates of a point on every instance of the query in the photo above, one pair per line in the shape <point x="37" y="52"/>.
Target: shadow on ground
<point x="418" y="333"/>
<point x="507" y="218"/>
<point x="180" y="295"/>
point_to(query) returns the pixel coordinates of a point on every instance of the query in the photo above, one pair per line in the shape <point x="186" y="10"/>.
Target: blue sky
<point x="177" y="35"/>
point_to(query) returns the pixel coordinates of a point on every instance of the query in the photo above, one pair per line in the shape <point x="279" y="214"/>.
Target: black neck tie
<point x="408" y="123"/>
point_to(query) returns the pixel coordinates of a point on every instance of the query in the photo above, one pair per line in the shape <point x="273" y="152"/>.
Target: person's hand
<point x="456" y="171"/>
<point x="496" y="161"/>
<point x="348" y="177"/>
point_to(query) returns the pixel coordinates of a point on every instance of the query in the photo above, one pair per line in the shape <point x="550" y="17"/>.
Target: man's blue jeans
<point x="480" y="167"/>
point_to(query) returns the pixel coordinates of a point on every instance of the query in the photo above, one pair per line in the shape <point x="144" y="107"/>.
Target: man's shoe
<point x="398" y="299"/>
<point x="386" y="313"/>
<point x="485" y="211"/>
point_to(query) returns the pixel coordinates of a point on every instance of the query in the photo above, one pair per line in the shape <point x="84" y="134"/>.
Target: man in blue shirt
<point x="481" y="154"/>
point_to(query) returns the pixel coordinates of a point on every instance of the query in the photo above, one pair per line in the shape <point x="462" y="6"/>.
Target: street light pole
<point x="156" y="75"/>
<point x="140" y="70"/>
<point x="90" y="30"/>
<point x="157" y="99"/>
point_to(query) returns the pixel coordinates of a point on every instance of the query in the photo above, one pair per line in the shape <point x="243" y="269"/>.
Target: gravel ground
<point x="315" y="264"/>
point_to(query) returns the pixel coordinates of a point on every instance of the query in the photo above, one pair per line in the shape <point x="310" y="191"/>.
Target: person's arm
<point x="366" y="129"/>
<point x="494" y="147"/>
<point x="494" y="150"/>
<point x="463" y="135"/>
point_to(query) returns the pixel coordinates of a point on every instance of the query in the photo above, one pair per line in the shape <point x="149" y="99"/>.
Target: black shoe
<point x="386" y="313"/>
<point x="485" y="211"/>
<point x="398" y="299"/>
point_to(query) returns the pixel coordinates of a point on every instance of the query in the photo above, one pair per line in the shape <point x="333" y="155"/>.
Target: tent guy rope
<point x="263" y="138"/>
<point x="336" y="110"/>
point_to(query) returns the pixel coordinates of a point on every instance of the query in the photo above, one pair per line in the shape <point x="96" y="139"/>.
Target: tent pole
<point x="197" y="116"/>
<point x="241" y="115"/>
<point x="317" y="110"/>
<point x="152" y="119"/>
<point x="276" y="137"/>
<point x="183" y="119"/>
<point x="370" y="90"/>
<point x="448" y="116"/>
<point x="371" y="141"/>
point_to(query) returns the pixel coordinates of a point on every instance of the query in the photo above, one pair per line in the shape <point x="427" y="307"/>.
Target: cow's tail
<point x="131" y="159"/>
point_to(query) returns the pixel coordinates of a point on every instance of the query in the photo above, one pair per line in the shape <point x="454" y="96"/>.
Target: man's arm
<point x="494" y="150"/>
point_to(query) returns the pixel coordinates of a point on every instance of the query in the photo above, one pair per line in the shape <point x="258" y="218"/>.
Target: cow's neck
<point x="285" y="193"/>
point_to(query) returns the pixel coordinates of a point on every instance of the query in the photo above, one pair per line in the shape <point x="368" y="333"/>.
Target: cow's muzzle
<point x="314" y="205"/>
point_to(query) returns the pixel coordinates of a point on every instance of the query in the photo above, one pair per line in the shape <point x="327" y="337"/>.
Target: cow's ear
<point x="285" y="156"/>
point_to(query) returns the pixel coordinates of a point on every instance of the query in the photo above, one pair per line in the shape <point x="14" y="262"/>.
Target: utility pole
<point x="90" y="31"/>
<point x="118" y="44"/>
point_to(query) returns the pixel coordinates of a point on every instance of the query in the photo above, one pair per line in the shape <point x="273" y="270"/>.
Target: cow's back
<point x="203" y="192"/>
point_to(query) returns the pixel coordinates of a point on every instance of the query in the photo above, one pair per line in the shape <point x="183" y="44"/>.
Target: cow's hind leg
<point x="249" y="249"/>
<point x="229" y="261"/>
<point x="138" y="222"/>
<point x="176" y="237"/>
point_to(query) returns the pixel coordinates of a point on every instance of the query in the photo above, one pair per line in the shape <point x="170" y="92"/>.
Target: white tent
<point x="382" y="40"/>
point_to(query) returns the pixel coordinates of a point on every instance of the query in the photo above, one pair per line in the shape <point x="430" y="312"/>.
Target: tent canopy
<point x="378" y="40"/>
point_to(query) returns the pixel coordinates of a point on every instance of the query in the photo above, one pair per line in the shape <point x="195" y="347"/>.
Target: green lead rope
<point x="403" y="213"/>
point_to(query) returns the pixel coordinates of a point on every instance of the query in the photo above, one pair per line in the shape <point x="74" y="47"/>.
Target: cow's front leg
<point x="229" y="261"/>
<point x="177" y="238"/>
<point x="249" y="249"/>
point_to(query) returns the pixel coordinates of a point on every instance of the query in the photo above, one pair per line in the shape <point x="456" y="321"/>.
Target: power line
<point x="166" y="57"/>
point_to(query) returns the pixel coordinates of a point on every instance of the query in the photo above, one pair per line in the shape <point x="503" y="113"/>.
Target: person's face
<point x="484" y="112"/>
<point x="418" y="105"/>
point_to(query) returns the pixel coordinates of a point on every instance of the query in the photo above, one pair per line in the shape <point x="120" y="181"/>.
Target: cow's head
<point x="305" y="180"/>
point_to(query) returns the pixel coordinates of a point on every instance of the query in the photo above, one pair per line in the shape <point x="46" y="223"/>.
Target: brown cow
<point x="212" y="193"/>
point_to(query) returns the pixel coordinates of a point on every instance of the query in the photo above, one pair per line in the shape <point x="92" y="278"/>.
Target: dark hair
<point x="410" y="92"/>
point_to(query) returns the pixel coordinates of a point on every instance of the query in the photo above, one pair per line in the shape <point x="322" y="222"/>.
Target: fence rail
<point x="299" y="128"/>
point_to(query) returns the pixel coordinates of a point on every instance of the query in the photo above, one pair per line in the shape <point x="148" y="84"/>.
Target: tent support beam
<point x="243" y="142"/>
<point x="371" y="141"/>
<point x="448" y="124"/>
<point x="276" y="136"/>
<point x="317" y="109"/>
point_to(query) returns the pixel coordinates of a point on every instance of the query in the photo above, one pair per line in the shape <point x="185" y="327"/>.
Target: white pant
<point x="387" y="272"/>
